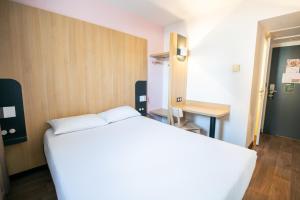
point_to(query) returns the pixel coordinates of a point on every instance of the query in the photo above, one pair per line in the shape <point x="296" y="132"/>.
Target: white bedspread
<point x="142" y="159"/>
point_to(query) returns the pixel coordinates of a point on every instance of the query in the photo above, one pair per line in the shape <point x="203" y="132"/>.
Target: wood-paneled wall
<point x="178" y="70"/>
<point x="66" y="67"/>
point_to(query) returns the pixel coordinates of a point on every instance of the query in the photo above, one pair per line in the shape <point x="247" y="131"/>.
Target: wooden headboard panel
<point x="66" y="67"/>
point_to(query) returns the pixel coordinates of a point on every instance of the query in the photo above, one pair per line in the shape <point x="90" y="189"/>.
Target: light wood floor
<point x="276" y="176"/>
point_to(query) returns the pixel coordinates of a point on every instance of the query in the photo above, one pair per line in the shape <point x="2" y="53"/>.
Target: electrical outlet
<point x="8" y="112"/>
<point x="143" y="98"/>
<point x="236" y="68"/>
<point x="179" y="99"/>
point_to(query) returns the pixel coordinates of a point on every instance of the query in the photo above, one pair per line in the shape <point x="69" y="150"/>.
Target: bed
<point x="142" y="159"/>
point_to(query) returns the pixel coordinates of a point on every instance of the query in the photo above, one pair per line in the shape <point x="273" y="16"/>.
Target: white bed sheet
<point x="142" y="159"/>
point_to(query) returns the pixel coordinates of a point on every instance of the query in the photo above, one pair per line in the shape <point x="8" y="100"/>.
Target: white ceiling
<point x="147" y="9"/>
<point x="165" y="12"/>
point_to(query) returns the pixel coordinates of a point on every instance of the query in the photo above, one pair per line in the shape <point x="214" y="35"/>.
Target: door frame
<point x="263" y="89"/>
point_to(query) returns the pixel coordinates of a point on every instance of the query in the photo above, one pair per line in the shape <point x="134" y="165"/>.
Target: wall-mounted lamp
<point x="182" y="53"/>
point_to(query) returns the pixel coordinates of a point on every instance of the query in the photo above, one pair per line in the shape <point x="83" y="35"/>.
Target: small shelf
<point x="160" y="112"/>
<point x="160" y="56"/>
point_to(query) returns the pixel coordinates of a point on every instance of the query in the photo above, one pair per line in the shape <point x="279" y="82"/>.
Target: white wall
<point x="218" y="41"/>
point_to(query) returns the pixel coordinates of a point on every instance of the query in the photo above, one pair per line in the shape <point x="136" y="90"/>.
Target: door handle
<point x="272" y="90"/>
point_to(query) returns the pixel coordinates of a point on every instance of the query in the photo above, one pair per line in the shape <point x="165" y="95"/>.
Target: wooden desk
<point x="206" y="110"/>
<point x="211" y="110"/>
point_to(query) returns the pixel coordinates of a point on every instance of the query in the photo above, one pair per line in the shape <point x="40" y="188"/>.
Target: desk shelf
<point x="161" y="112"/>
<point x="160" y="56"/>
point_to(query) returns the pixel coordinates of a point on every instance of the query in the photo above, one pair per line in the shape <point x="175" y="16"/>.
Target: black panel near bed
<point x="141" y="97"/>
<point x="12" y="118"/>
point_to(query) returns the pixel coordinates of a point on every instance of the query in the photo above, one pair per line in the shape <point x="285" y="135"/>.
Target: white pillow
<point x="119" y="113"/>
<point x="76" y="123"/>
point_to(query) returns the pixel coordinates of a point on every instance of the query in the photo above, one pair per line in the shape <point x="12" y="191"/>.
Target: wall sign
<point x="289" y="88"/>
<point x="292" y="71"/>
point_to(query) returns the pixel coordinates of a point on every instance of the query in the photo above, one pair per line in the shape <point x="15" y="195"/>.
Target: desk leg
<point x="212" y="127"/>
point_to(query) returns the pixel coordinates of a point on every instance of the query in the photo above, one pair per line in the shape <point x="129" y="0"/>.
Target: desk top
<point x="206" y="109"/>
<point x="199" y="108"/>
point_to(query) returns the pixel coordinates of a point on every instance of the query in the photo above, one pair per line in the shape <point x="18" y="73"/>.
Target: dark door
<point x="283" y="104"/>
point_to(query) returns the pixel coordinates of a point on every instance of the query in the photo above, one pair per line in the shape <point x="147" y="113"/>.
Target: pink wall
<point x="97" y="12"/>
